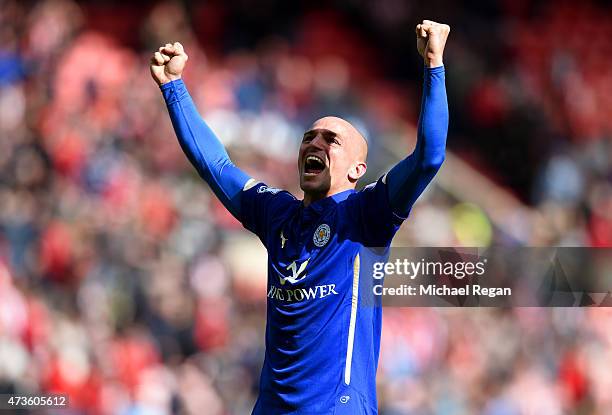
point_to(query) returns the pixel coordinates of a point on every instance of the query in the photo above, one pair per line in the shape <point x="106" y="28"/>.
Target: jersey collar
<point x="342" y="196"/>
<point x="327" y="201"/>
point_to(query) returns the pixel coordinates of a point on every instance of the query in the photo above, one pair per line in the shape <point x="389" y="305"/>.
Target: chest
<point x="309" y="241"/>
<point x="304" y="233"/>
<point x="309" y="260"/>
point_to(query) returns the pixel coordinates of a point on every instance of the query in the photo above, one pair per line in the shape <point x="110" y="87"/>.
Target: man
<point x="321" y="347"/>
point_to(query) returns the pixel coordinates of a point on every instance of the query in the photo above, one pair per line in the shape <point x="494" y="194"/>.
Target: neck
<point x="313" y="197"/>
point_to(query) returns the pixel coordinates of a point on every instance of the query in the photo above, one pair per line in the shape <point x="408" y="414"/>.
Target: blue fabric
<point x="313" y="254"/>
<point x="203" y="148"/>
<point x="310" y="287"/>
<point x="410" y="177"/>
<point x="311" y="258"/>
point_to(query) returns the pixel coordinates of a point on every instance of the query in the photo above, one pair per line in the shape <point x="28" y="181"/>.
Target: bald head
<point x="331" y="159"/>
<point x="354" y="139"/>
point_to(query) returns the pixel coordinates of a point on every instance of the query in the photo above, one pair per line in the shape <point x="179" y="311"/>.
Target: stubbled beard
<point x="321" y="186"/>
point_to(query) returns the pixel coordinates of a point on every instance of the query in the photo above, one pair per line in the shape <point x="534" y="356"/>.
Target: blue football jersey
<point x="323" y="326"/>
<point x="322" y="347"/>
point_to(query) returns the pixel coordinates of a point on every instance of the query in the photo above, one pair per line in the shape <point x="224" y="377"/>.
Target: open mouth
<point x="313" y="165"/>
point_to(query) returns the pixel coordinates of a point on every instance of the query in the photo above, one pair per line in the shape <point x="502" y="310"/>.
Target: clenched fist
<point x="431" y="39"/>
<point x="168" y="62"/>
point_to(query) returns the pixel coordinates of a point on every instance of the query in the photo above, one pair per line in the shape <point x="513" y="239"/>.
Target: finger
<point x="420" y="31"/>
<point x="429" y="22"/>
<point x="158" y="59"/>
<point x="428" y="29"/>
<point x="426" y="26"/>
<point x="178" y="47"/>
<point x="178" y="50"/>
<point x="168" y="50"/>
<point x="424" y="30"/>
<point x="164" y="54"/>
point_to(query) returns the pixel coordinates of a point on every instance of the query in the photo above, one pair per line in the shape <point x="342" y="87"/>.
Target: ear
<point x="357" y="171"/>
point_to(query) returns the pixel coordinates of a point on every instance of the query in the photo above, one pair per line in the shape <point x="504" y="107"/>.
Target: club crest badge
<point x="321" y="235"/>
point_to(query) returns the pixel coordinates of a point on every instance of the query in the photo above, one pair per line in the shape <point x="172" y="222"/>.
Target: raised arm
<point x="202" y="147"/>
<point x="407" y="179"/>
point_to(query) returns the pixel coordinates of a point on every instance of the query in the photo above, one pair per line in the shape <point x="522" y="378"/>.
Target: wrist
<point x="168" y="82"/>
<point x="433" y="62"/>
<point x="175" y="87"/>
<point x="169" y="79"/>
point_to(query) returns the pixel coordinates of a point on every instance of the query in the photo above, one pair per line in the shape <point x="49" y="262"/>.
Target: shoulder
<point x="370" y="216"/>
<point x="262" y="205"/>
<point x="260" y="188"/>
<point x="259" y="192"/>
<point x="377" y="189"/>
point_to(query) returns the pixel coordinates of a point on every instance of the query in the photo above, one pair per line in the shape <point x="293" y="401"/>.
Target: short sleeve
<point x="369" y="216"/>
<point x="261" y="206"/>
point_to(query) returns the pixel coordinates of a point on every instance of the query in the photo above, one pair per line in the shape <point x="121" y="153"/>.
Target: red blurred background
<point x="125" y="284"/>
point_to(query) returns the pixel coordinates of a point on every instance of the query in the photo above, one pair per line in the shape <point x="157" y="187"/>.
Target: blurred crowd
<point x="126" y="285"/>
